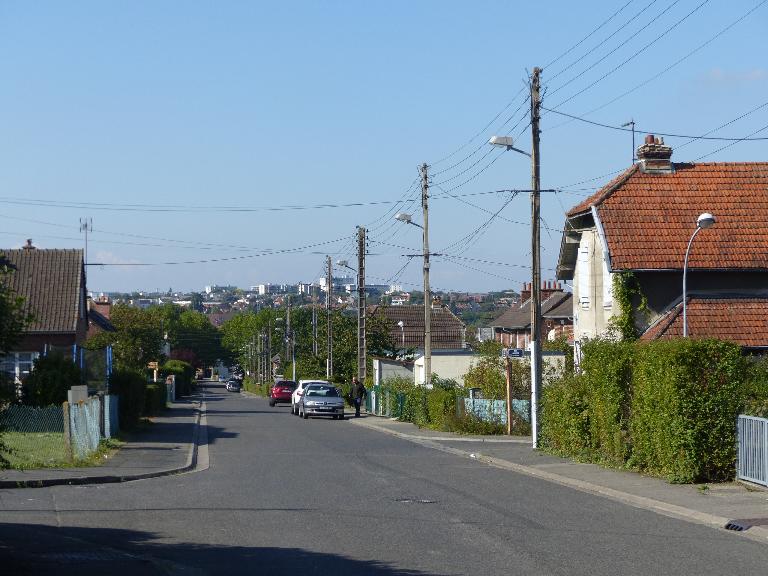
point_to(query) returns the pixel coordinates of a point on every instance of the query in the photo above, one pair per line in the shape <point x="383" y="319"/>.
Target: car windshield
<point x="322" y="391"/>
<point x="286" y="384"/>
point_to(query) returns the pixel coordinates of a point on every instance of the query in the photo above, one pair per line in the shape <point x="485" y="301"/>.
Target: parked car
<point x="233" y="385"/>
<point x="281" y="392"/>
<point x="321" y="400"/>
<point x="299" y="392"/>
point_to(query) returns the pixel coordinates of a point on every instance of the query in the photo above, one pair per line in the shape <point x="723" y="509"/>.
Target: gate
<point x="752" y="462"/>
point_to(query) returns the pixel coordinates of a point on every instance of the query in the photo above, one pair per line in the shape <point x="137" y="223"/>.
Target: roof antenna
<point x="631" y="123"/>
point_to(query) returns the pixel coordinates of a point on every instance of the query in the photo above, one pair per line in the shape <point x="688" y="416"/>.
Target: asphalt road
<point x="284" y="495"/>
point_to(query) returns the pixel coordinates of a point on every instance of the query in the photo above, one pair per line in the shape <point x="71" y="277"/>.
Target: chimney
<point x="654" y="156"/>
<point x="525" y="293"/>
<point x="28" y="245"/>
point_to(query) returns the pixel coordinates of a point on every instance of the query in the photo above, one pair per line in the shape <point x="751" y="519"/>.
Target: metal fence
<point x="496" y="410"/>
<point x="56" y="435"/>
<point x="752" y="462"/>
<point x="385" y="401"/>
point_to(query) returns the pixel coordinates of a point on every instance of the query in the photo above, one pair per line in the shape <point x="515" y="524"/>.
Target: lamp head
<point x="403" y="217"/>
<point x="342" y="263"/>
<point x="400" y="323"/>
<point x="705" y="220"/>
<point x="502" y="141"/>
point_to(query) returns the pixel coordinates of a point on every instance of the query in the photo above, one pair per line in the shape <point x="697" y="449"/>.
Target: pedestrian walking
<point x="358" y="395"/>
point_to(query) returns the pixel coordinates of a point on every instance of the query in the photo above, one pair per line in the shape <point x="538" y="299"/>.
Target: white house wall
<point x="592" y="288"/>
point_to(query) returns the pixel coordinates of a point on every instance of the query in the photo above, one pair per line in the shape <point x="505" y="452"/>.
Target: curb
<point x="756" y="533"/>
<point x="190" y="465"/>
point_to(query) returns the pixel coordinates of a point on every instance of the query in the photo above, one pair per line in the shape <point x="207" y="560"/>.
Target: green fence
<point x="385" y="401"/>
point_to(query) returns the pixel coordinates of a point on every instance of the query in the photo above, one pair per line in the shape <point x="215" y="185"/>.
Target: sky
<point x="240" y="143"/>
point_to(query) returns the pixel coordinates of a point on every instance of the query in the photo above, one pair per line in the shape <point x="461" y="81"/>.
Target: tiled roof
<point x="50" y="281"/>
<point x="558" y="305"/>
<point x="447" y="329"/>
<point x="649" y="218"/>
<point x="739" y="319"/>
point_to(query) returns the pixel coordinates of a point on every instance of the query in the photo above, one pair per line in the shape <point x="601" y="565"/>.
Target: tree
<point x="13" y="316"/>
<point x="137" y="340"/>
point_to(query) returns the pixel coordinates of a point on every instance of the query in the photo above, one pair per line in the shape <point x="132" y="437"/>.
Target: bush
<point x="155" y="398"/>
<point x="251" y="385"/>
<point x="130" y="386"/>
<point x="565" y="417"/>
<point x="686" y="397"/>
<point x="50" y="380"/>
<point x="756" y="389"/>
<point x="607" y="374"/>
<point x="184" y="374"/>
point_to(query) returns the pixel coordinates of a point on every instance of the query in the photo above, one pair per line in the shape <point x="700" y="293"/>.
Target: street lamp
<point x="402" y="333"/>
<point x="507" y="143"/>
<point x="705" y="220"/>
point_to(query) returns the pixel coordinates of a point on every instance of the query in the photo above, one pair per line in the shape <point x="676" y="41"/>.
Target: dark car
<point x="233" y="385"/>
<point x="280" y="392"/>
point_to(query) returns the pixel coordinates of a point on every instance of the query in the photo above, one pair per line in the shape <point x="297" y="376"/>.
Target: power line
<point x="731" y="144"/>
<point x="656" y="132"/>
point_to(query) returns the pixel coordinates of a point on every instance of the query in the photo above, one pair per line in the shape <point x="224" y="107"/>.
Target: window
<point x="18" y="364"/>
<point x="584" y="275"/>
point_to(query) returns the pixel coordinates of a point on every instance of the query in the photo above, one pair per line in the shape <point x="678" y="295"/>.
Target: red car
<point x="280" y="392"/>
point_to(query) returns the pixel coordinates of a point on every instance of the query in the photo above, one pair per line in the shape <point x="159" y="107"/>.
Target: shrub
<point x="51" y="379"/>
<point x="565" y="416"/>
<point x="130" y="386"/>
<point x="686" y="397"/>
<point x="155" y="398"/>
<point x="441" y="405"/>
<point x="607" y="375"/>
<point x="184" y="374"/>
<point x="756" y="389"/>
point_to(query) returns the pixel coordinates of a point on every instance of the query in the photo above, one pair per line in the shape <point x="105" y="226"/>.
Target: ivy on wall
<point x="626" y="291"/>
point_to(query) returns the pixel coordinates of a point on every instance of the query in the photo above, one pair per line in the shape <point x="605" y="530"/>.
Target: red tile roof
<point x="743" y="320"/>
<point x="649" y="218"/>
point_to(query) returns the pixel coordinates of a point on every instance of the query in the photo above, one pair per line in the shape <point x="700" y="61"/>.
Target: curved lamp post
<point x="704" y="220"/>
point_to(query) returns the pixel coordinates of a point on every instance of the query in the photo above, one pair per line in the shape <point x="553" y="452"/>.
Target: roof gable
<point x="52" y="284"/>
<point x="447" y="330"/>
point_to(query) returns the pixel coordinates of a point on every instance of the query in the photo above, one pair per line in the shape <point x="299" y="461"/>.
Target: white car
<point x="299" y="392"/>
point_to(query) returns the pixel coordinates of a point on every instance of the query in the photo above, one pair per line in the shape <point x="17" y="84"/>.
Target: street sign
<point x="512" y="352"/>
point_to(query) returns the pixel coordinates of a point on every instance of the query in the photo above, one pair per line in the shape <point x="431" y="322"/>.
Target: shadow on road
<point x="27" y="549"/>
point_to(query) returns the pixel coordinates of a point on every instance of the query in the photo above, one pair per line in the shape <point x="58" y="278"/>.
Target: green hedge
<point x="155" y="398"/>
<point x="130" y="386"/>
<point x="51" y="379"/>
<point x="686" y="397"/>
<point x="668" y="407"/>
<point x="184" y="373"/>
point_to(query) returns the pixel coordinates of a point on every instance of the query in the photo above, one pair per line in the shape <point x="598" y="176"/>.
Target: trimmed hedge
<point x="668" y="407"/>
<point x="130" y="386"/>
<point x="686" y="397"/>
<point x="184" y="373"/>
<point x="155" y="398"/>
<point x="51" y="379"/>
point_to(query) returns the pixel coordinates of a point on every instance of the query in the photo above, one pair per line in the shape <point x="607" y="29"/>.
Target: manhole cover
<point x="415" y="501"/>
<point x="740" y="525"/>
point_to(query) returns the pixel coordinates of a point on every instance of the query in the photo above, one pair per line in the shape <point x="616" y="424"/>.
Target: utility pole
<point x="536" y="364"/>
<point x="361" y="344"/>
<point x="291" y="343"/>
<point x="86" y="225"/>
<point x="259" y="356"/>
<point x="268" y="354"/>
<point x="329" y="323"/>
<point x="427" y="293"/>
<point x="314" y="320"/>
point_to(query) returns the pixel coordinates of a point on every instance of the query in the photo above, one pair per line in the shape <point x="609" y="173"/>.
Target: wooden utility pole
<point x="314" y="319"/>
<point x="536" y="363"/>
<point x="329" y="323"/>
<point x="427" y="293"/>
<point x="361" y="343"/>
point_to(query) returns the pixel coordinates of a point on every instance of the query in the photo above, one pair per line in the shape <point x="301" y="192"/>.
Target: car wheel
<point x="304" y="414"/>
<point x="341" y="416"/>
<point x="272" y="403"/>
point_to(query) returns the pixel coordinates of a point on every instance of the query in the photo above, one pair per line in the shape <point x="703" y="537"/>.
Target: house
<point x="642" y="222"/>
<point x="52" y="283"/>
<point x="99" y="311"/>
<point x="447" y="364"/>
<point x="512" y="328"/>
<point x="406" y="326"/>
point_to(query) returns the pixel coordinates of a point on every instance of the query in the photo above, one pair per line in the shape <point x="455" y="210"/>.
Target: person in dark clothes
<point x="358" y="395"/>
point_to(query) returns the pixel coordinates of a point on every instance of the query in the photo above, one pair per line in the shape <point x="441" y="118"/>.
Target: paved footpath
<point x="176" y="442"/>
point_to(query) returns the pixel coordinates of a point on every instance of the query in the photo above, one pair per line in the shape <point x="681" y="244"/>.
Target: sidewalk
<point x="166" y="446"/>
<point x="715" y="505"/>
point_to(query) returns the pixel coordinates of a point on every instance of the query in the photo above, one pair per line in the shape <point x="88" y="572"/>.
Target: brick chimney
<point x="548" y="287"/>
<point x="654" y="156"/>
<point x="525" y="293"/>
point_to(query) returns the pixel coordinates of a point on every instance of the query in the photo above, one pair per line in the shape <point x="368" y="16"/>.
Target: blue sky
<point x="175" y="125"/>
